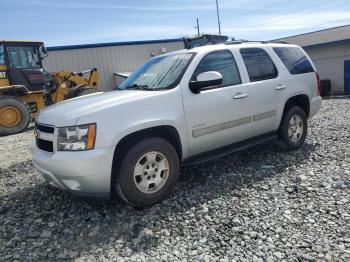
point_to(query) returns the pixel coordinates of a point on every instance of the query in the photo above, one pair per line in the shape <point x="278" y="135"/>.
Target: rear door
<point x="265" y="87"/>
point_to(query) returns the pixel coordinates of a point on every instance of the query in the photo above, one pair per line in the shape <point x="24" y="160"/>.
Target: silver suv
<point x="181" y="108"/>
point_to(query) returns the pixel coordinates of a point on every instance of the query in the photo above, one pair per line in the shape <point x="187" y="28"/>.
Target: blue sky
<point x="66" y="22"/>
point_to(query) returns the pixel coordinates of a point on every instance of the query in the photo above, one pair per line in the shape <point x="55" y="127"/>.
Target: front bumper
<point x="315" y="106"/>
<point x="86" y="173"/>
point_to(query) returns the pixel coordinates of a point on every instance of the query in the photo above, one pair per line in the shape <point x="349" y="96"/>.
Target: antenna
<point x="218" y="15"/>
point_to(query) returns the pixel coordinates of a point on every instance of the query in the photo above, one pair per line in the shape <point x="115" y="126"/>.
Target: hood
<point x="67" y="113"/>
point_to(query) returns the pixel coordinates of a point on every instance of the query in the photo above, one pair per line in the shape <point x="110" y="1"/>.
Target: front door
<point x="219" y="115"/>
<point x="347" y="77"/>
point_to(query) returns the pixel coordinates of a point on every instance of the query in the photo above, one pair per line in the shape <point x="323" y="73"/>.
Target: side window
<point x="259" y="64"/>
<point x="294" y="60"/>
<point x="2" y="55"/>
<point x="223" y="62"/>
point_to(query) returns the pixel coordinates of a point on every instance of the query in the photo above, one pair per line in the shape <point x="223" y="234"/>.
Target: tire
<point x="14" y="115"/>
<point x="86" y="91"/>
<point x="293" y="137"/>
<point x="130" y="184"/>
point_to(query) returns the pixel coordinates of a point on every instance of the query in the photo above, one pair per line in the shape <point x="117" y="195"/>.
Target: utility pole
<point x="197" y="27"/>
<point x="217" y="13"/>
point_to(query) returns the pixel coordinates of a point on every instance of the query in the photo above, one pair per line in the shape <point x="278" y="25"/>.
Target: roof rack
<point x="203" y="40"/>
<point x="207" y="39"/>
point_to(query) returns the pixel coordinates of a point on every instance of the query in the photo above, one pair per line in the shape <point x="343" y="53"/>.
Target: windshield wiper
<point x="139" y="87"/>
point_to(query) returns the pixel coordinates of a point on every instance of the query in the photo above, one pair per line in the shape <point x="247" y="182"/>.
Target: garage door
<point x="347" y="77"/>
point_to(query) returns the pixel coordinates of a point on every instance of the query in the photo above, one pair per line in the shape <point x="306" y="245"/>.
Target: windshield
<point x="23" y="57"/>
<point x="163" y="72"/>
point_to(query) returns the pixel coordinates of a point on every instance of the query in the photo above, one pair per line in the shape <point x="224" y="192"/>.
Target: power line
<point x="279" y="18"/>
<point x="212" y="19"/>
<point x="299" y="11"/>
<point x="294" y="13"/>
<point x="259" y="9"/>
<point x="311" y="27"/>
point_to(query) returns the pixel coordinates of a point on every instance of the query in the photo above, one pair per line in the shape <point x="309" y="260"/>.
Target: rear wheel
<point x="14" y="115"/>
<point x="293" y="129"/>
<point x="148" y="172"/>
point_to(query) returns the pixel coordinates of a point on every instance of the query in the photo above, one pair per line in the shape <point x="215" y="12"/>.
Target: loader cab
<point x="21" y="64"/>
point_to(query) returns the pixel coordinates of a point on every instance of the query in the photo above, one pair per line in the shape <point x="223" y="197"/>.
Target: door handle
<point x="240" y="96"/>
<point x="280" y="87"/>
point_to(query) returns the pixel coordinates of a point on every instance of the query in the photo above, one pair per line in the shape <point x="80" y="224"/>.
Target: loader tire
<point x="14" y="115"/>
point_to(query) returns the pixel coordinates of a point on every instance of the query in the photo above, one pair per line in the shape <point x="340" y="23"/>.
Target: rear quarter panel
<point x="300" y="84"/>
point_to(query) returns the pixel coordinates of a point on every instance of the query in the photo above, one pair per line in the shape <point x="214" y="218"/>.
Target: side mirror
<point x="206" y="79"/>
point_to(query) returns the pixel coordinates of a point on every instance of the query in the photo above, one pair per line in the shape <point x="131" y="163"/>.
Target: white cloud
<point x="272" y="25"/>
<point x="194" y="5"/>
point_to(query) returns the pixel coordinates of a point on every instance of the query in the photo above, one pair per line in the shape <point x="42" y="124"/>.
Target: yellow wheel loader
<point x="25" y="87"/>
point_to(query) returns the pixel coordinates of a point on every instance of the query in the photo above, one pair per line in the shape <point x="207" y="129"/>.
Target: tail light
<point x="318" y="84"/>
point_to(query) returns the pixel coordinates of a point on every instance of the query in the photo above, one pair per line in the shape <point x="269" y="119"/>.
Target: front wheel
<point x="148" y="172"/>
<point x="293" y="129"/>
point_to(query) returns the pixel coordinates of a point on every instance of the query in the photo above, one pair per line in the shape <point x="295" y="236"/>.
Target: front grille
<point x="45" y="129"/>
<point x="44" y="145"/>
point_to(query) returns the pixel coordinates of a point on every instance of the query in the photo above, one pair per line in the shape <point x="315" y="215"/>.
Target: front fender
<point x="150" y="123"/>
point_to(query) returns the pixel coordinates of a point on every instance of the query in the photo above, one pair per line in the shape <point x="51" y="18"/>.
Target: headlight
<point x="76" y="138"/>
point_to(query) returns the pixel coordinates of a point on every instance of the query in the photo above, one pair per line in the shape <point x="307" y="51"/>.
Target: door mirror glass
<point x="206" y="79"/>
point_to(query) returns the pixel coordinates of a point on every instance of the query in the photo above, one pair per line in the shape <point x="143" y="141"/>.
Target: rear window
<point x="259" y="64"/>
<point x="294" y="59"/>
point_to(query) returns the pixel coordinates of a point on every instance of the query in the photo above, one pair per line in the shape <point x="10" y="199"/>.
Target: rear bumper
<point x="315" y="106"/>
<point x="84" y="173"/>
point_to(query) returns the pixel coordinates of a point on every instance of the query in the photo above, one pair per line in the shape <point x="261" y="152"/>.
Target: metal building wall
<point x="107" y="59"/>
<point x="329" y="61"/>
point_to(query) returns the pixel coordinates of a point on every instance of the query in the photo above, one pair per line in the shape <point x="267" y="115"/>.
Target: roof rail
<point x="242" y="41"/>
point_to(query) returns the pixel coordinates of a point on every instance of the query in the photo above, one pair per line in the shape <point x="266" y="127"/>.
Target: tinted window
<point x="259" y="64"/>
<point x="294" y="59"/>
<point x="2" y="55"/>
<point x="222" y="62"/>
<point x="23" y="57"/>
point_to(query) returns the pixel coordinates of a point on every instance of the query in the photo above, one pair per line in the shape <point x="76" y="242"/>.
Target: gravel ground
<point x="263" y="204"/>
